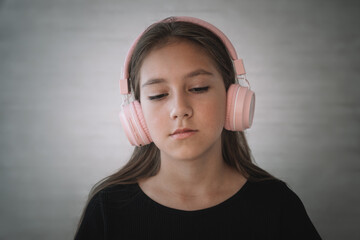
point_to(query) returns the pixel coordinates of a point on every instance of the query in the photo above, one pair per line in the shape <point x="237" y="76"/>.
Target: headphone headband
<point x="238" y="63"/>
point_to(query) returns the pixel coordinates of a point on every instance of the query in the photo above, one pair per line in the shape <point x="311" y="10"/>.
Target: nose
<point x="181" y="108"/>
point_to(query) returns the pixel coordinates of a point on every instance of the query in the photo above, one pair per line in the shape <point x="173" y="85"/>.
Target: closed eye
<point x="157" y="97"/>
<point x="199" y="90"/>
<point x="194" y="90"/>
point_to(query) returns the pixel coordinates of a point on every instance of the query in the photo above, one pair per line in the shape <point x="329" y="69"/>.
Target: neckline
<point x="198" y="211"/>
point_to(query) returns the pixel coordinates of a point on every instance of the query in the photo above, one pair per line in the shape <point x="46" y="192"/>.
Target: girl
<point x="191" y="175"/>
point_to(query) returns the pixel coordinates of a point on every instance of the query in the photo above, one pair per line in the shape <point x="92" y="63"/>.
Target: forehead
<point x="174" y="59"/>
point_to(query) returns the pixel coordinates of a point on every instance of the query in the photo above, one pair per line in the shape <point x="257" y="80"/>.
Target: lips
<point x="183" y="130"/>
<point x="183" y="133"/>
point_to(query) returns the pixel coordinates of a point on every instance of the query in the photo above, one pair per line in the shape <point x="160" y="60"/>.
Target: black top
<point x="259" y="210"/>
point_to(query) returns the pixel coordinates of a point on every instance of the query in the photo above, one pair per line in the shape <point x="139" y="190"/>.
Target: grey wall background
<point x="59" y="128"/>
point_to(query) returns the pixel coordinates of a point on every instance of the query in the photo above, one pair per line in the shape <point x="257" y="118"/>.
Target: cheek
<point x="154" y="119"/>
<point x="214" y="112"/>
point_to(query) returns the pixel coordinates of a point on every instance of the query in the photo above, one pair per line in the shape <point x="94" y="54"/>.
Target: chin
<point x="186" y="152"/>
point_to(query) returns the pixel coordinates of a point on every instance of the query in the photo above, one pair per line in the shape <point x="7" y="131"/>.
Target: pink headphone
<point x="240" y="100"/>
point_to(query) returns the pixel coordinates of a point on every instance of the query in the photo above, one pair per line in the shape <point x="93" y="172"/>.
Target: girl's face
<point x="183" y="99"/>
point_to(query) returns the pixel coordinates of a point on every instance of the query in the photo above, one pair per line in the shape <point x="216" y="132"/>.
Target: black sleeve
<point x="92" y="225"/>
<point x="295" y="222"/>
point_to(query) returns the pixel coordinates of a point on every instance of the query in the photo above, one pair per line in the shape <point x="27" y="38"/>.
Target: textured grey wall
<point x="59" y="130"/>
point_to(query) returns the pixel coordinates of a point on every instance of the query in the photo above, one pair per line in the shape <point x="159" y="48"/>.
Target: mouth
<point x="183" y="133"/>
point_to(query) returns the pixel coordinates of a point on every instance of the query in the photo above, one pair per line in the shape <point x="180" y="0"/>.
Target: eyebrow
<point x="189" y="75"/>
<point x="197" y="73"/>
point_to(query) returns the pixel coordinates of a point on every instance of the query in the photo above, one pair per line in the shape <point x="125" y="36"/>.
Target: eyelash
<point x="194" y="90"/>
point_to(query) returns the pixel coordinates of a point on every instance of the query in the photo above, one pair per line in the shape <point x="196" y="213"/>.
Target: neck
<point x="199" y="176"/>
<point x="192" y="184"/>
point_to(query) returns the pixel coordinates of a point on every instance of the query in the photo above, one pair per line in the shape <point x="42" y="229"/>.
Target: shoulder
<point x="95" y="217"/>
<point x="282" y="205"/>
<point x="274" y="195"/>
<point x="116" y="195"/>
<point x="272" y="184"/>
<point x="275" y="190"/>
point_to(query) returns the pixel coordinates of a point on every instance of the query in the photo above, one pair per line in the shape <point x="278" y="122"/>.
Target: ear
<point x="133" y="122"/>
<point x="240" y="108"/>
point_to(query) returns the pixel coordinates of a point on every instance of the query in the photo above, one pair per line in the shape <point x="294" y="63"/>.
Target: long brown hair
<point x="145" y="160"/>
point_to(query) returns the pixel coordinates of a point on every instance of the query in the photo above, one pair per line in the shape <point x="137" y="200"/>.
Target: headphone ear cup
<point x="240" y="108"/>
<point x="133" y="122"/>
